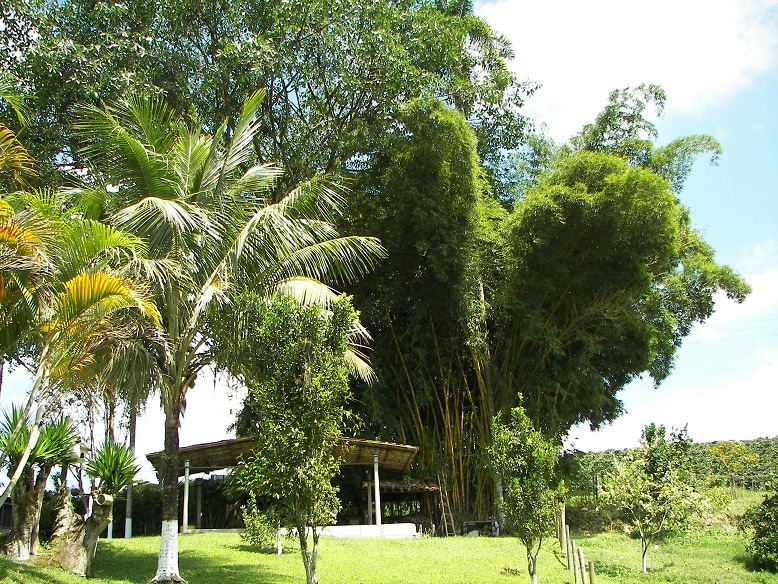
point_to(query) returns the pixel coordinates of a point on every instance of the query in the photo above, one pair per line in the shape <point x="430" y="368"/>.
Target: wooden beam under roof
<point x="212" y="456"/>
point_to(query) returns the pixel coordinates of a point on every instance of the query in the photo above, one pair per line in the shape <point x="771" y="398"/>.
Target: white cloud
<point x="700" y="51"/>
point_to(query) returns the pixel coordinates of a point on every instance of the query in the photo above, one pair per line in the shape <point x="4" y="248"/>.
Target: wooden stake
<point x="591" y="572"/>
<point x="569" y="548"/>
<point x="575" y="564"/>
<point x="582" y="565"/>
<point x="563" y="531"/>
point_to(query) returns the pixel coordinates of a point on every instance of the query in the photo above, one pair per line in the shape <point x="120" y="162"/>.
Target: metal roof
<point x="212" y="456"/>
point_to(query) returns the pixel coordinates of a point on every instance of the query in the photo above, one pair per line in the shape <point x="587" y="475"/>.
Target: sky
<point x="718" y="62"/>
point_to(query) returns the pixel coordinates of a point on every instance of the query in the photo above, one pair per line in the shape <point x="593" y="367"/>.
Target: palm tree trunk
<point x="75" y="540"/>
<point x="17" y="543"/>
<point x="167" y="563"/>
<point x="40" y="486"/>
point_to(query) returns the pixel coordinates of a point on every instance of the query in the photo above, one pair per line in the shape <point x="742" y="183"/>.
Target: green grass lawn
<point x="211" y="558"/>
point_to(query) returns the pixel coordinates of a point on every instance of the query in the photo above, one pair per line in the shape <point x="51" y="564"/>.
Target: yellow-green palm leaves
<point x="16" y="165"/>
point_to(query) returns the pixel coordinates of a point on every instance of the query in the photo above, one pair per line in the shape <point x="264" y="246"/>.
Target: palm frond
<point x="112" y="467"/>
<point x="125" y="159"/>
<point x="306" y="291"/>
<point x="14" y="158"/>
<point x="90" y="244"/>
<point x="13" y="97"/>
<point x="96" y="296"/>
<point x="56" y="441"/>
<point x="339" y="260"/>
<point x="359" y="366"/>
<point x="241" y="147"/>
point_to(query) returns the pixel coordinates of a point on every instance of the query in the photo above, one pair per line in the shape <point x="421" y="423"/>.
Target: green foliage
<point x="292" y="360"/>
<point x="733" y="458"/>
<point x="335" y="72"/>
<point x="761" y="523"/>
<point x="525" y="462"/>
<point x="54" y="445"/>
<point x="422" y="196"/>
<point x="261" y="529"/>
<point x="111" y="468"/>
<point x="651" y="488"/>
<point x="623" y="129"/>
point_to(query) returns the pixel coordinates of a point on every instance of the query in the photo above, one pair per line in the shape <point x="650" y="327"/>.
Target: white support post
<point x="185" y="526"/>
<point x="377" y="494"/>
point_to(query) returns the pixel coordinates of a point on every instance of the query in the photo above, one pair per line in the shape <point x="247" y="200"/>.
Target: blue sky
<point x="718" y="62"/>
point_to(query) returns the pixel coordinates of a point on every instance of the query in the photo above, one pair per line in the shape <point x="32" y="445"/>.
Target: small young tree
<point x="292" y="359"/>
<point x="733" y="458"/>
<point x="525" y="460"/>
<point x="651" y="488"/>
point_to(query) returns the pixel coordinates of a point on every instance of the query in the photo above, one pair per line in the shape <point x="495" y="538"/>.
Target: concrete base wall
<point x="387" y="531"/>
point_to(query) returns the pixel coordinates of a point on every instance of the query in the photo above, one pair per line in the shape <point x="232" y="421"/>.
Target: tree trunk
<point x="75" y="540"/>
<point x="24" y="503"/>
<point x="309" y="557"/>
<point x="128" y="513"/>
<point x="644" y="545"/>
<point x="167" y="563"/>
<point x="40" y="487"/>
<point x="532" y="567"/>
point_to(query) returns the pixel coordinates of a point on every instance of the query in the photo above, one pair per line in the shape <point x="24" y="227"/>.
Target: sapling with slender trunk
<point x="525" y="461"/>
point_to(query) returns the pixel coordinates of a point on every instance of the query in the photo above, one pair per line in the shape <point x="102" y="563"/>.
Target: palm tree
<point x="53" y="445"/>
<point x="199" y="204"/>
<point x="68" y="295"/>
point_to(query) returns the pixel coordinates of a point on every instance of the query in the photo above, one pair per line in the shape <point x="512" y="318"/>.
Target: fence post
<point x="569" y="548"/>
<point x="591" y="572"/>
<point x="575" y="564"/>
<point x="582" y="565"/>
<point x="563" y="531"/>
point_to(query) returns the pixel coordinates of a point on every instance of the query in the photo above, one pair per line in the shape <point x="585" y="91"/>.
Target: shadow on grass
<point x="269" y="551"/>
<point x="119" y="564"/>
<point x="13" y="572"/>
<point x="561" y="558"/>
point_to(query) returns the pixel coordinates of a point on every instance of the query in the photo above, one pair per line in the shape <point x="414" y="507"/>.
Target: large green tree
<point x="334" y="72"/>
<point x="423" y="197"/>
<point x="202" y="208"/>
<point x="592" y="278"/>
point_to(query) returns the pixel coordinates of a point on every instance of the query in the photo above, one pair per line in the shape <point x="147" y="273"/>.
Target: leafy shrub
<point x="260" y="530"/>
<point x="762" y="522"/>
